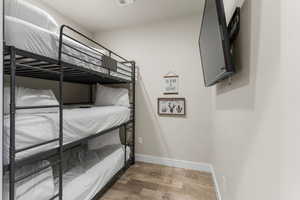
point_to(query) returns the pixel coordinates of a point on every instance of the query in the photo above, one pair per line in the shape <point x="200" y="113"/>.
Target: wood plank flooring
<point x="155" y="182"/>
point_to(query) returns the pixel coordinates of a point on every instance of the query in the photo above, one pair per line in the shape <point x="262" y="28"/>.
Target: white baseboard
<point x="204" y="167"/>
<point x="217" y="186"/>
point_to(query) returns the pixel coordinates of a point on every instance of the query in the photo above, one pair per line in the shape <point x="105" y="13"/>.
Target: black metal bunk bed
<point x="18" y="62"/>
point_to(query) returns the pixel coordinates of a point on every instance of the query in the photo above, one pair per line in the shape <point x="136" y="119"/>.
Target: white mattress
<point x="85" y="185"/>
<point x="82" y="182"/>
<point x="32" y="38"/>
<point x="40" y="186"/>
<point x="32" y="129"/>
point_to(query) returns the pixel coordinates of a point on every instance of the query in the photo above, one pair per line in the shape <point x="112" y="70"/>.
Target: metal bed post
<point x="61" y="79"/>
<point x="91" y="93"/>
<point x="12" y="123"/>
<point x="109" y="54"/>
<point x="133" y="107"/>
<point x="125" y="158"/>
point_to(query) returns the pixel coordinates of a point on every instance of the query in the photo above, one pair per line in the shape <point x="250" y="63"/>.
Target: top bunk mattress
<point x="26" y="36"/>
<point x="33" y="129"/>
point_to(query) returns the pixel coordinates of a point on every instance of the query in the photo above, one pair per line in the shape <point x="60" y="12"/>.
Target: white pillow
<point x="38" y="186"/>
<point x="111" y="138"/>
<point x="107" y="96"/>
<point x="31" y="97"/>
<point x="30" y="13"/>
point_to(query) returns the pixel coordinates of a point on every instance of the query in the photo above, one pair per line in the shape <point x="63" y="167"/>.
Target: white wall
<point x="158" y="49"/>
<point x="253" y="140"/>
<point x="248" y="115"/>
<point x="291" y="41"/>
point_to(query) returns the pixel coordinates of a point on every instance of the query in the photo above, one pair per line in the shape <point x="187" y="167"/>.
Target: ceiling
<point x="105" y="15"/>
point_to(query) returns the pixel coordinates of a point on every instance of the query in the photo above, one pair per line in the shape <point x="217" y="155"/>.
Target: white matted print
<point x="171" y="106"/>
<point x="171" y="84"/>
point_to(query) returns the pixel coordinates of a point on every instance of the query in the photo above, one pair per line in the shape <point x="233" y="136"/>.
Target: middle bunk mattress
<point x="36" y="128"/>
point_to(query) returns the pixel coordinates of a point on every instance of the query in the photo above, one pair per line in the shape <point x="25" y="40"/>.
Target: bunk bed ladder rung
<point x="37" y="145"/>
<point x="36" y="107"/>
<point x="54" y="197"/>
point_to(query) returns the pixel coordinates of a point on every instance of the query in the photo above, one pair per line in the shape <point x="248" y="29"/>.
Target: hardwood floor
<point x="155" y="182"/>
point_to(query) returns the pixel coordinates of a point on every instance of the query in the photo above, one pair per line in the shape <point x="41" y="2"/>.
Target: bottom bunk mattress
<point x="33" y="129"/>
<point x="39" y="186"/>
<point x="99" y="166"/>
<point x="85" y="177"/>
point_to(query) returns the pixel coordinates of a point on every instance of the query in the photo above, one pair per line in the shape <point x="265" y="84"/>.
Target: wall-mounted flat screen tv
<point x="215" y="44"/>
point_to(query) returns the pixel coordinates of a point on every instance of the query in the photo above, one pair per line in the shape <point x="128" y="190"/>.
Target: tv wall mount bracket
<point x="234" y="25"/>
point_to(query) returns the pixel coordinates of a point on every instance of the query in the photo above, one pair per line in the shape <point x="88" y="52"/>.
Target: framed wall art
<point x="171" y="106"/>
<point x="171" y="84"/>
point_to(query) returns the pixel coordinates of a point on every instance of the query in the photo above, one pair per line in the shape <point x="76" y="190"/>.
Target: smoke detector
<point x="125" y="2"/>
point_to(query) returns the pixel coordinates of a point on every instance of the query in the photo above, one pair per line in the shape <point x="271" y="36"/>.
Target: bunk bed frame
<point x="23" y="63"/>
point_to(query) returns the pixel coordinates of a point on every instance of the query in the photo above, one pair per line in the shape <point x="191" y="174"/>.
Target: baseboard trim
<point x="204" y="167"/>
<point x="217" y="186"/>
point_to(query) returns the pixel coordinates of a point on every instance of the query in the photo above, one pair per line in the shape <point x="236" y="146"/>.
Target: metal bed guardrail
<point x="96" y="56"/>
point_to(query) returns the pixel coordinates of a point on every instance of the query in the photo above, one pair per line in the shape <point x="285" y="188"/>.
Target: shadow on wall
<point x="241" y="86"/>
<point x="148" y="125"/>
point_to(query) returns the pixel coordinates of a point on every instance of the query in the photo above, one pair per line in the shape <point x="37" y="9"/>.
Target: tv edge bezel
<point x="229" y="67"/>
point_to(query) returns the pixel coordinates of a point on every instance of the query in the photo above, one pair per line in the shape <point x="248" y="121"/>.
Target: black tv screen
<point x="214" y="44"/>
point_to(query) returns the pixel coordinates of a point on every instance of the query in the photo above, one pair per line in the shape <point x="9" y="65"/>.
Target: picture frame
<point x="171" y="85"/>
<point x="171" y="106"/>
